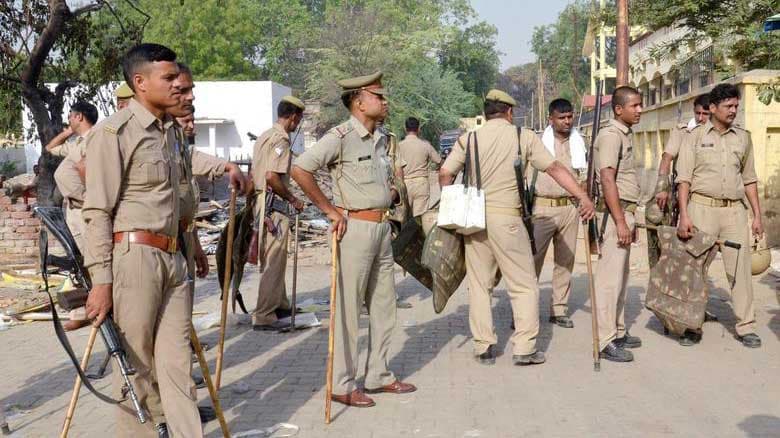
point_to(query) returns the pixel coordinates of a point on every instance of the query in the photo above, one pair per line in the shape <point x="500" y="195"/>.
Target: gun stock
<point x="524" y="199"/>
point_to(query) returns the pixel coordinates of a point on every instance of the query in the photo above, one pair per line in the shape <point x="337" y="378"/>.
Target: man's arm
<point x="213" y="167"/>
<point x="445" y="177"/>
<point x="684" y="225"/>
<point x="59" y="139"/>
<point x="306" y="181"/>
<point x="751" y="191"/>
<point x="612" y="198"/>
<point x="686" y="161"/>
<point x="104" y="180"/>
<point x="274" y="181"/>
<point x="565" y="179"/>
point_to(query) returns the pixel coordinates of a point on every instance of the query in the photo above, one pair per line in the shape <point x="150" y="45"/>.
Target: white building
<point x="225" y="112"/>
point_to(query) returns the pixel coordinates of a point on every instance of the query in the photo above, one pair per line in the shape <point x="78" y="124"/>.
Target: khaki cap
<point x="500" y="96"/>
<point x="123" y="91"/>
<point x="294" y="101"/>
<point x="372" y="83"/>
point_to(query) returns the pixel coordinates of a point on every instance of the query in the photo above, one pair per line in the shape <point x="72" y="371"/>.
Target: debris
<point x="302" y="320"/>
<point x="240" y="388"/>
<point x="311" y="305"/>
<point x="278" y="430"/>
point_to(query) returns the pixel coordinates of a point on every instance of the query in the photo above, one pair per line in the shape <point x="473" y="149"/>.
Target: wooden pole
<point x="226" y="286"/>
<point x="77" y="386"/>
<point x="295" y="272"/>
<point x="621" y="39"/>
<point x="334" y="273"/>
<point x="204" y="367"/>
<point x="594" y="319"/>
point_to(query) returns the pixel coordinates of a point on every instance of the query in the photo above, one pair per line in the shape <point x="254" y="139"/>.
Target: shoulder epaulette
<point x="342" y="130"/>
<point x="116" y="121"/>
<point x="682" y="126"/>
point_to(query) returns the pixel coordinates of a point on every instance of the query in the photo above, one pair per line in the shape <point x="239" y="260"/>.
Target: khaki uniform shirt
<point x="611" y="139"/>
<point x="418" y="154"/>
<point x="545" y="185"/>
<point x="715" y="164"/>
<point x="358" y="164"/>
<point x="676" y="138"/>
<point x="498" y="150"/>
<point x="132" y="183"/>
<point x="271" y="154"/>
<point x="68" y="180"/>
<point x="193" y="163"/>
<point x="75" y="142"/>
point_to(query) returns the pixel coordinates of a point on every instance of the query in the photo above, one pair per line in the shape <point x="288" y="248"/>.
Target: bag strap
<point x="476" y="162"/>
<point x="467" y="164"/>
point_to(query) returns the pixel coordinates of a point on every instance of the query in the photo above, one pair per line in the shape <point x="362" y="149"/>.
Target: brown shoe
<point x="397" y="387"/>
<point x="355" y="398"/>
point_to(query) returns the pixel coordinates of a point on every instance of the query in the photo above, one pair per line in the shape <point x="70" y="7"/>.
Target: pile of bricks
<point x="18" y="231"/>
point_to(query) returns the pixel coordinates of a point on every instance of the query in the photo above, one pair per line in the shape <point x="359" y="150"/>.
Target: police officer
<point x="131" y="212"/>
<point x="619" y="188"/>
<point x="504" y="245"/>
<point x="420" y="158"/>
<point x="69" y="174"/>
<point x="355" y="153"/>
<point x="701" y="114"/>
<point x="123" y="94"/>
<point x="715" y="174"/>
<point x="555" y="216"/>
<point x="271" y="162"/>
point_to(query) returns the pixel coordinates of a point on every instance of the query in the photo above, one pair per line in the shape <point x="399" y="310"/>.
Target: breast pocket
<point x="707" y="155"/>
<point x="737" y="155"/>
<point x="148" y="168"/>
<point x="365" y="172"/>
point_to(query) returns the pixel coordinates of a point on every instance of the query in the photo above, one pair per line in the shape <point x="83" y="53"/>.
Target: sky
<point x="515" y="21"/>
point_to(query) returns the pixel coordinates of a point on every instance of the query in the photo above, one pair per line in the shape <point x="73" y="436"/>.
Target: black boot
<point x="535" y="358"/>
<point x="628" y="341"/>
<point x="750" y="340"/>
<point x="486" y="358"/>
<point x="615" y="353"/>
<point x="689" y="339"/>
<point x="207" y="413"/>
<point x="562" y="321"/>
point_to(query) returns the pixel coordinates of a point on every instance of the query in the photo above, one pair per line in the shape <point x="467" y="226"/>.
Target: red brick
<point x="28" y="236"/>
<point x="20" y="206"/>
<point x="27" y="229"/>
<point x="4" y="215"/>
<point x="14" y="222"/>
<point x="32" y="222"/>
<point x="31" y="251"/>
<point x="5" y="200"/>
<point x="21" y="215"/>
<point x="25" y="243"/>
<point x="5" y="243"/>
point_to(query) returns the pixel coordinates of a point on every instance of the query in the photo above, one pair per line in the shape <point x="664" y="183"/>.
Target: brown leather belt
<point x="159" y="241"/>
<point x="541" y="201"/>
<point x="713" y="202"/>
<point x="377" y="216"/>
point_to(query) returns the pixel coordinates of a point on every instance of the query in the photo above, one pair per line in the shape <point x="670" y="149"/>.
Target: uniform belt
<point x="506" y="211"/>
<point x="407" y="178"/>
<point x="628" y="206"/>
<point x="159" y="241"/>
<point x="75" y="204"/>
<point x="541" y="201"/>
<point x="377" y="216"/>
<point x="713" y="202"/>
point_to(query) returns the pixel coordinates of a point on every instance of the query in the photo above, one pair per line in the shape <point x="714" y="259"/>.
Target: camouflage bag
<point x="444" y="255"/>
<point x="408" y="242"/>
<point x="677" y="293"/>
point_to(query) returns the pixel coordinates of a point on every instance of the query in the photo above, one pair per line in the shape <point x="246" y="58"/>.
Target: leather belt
<point x="713" y="202"/>
<point x="506" y="211"/>
<point x="629" y="206"/>
<point x="159" y="241"/>
<point x="541" y="201"/>
<point x="377" y="216"/>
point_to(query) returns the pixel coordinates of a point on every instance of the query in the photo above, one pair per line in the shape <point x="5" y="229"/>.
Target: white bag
<point x="462" y="206"/>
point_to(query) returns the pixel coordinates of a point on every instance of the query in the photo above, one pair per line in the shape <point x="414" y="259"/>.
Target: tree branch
<point x="88" y="8"/>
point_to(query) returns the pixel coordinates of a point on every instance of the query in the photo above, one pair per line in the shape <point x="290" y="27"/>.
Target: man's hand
<point x="237" y="179"/>
<point x="297" y="204"/>
<point x="625" y="235"/>
<point x="99" y="303"/>
<point x="757" y="227"/>
<point x="201" y="260"/>
<point x="586" y="208"/>
<point x="67" y="132"/>
<point x="685" y="228"/>
<point x="338" y="223"/>
<point x="661" y="198"/>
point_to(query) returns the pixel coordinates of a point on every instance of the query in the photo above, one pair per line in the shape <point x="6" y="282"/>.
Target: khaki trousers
<point x="419" y="191"/>
<point x="610" y="282"/>
<point x="731" y="223"/>
<point x="365" y="275"/>
<point x="559" y="226"/>
<point x="153" y="312"/>
<point x="504" y="246"/>
<point x="271" y="292"/>
<point x="75" y="223"/>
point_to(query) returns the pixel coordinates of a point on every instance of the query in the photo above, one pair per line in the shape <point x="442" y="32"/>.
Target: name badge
<point x="708" y="145"/>
<point x="364" y="158"/>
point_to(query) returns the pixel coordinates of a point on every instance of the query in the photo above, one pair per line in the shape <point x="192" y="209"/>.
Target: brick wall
<point x="18" y="231"/>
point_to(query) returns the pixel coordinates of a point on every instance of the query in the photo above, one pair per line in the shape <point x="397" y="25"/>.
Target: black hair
<point x="621" y="95"/>
<point x="703" y="100"/>
<point x="286" y="109"/>
<point x="494" y="109"/>
<point x="87" y="110"/>
<point x="722" y="92"/>
<point x="348" y="97"/>
<point x="412" y="124"/>
<point x="143" y="54"/>
<point x="184" y="68"/>
<point x="560" y="106"/>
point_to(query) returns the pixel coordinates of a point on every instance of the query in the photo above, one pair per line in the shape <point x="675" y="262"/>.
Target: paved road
<point x="717" y="388"/>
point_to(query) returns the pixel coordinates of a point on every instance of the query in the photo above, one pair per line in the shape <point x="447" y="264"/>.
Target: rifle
<point x="525" y="196"/>
<point x="673" y="207"/>
<point x="591" y="185"/>
<point x="53" y="219"/>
